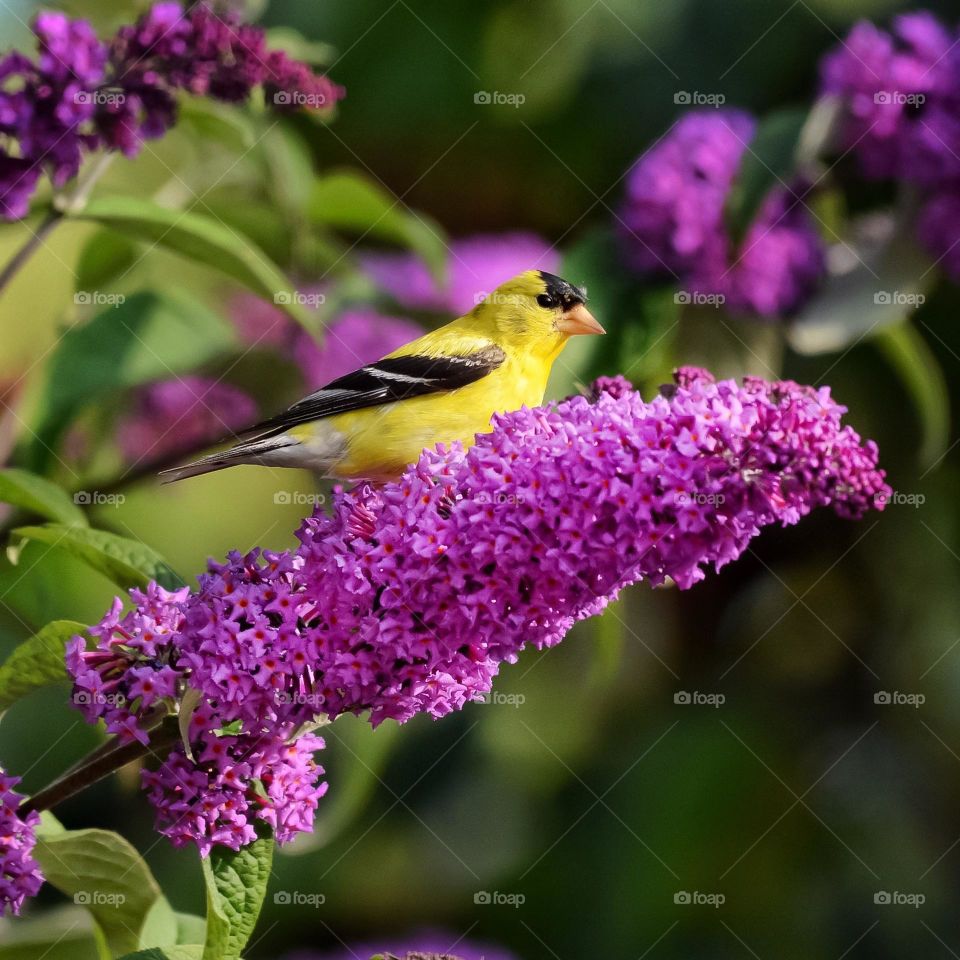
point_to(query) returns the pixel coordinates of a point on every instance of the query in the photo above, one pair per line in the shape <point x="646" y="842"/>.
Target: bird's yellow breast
<point x="381" y="441"/>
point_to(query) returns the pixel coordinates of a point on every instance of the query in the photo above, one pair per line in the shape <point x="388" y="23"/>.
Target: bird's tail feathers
<point x="249" y="451"/>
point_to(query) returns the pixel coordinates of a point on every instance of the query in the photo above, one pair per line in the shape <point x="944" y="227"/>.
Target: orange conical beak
<point x="578" y="319"/>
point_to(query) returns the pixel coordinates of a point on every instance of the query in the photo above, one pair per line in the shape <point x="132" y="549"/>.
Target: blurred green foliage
<point x="583" y="786"/>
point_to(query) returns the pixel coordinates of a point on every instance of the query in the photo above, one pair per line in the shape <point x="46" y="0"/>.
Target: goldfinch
<point x="443" y="386"/>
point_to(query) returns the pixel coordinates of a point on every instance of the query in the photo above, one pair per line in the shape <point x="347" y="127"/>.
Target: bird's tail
<point x="257" y="451"/>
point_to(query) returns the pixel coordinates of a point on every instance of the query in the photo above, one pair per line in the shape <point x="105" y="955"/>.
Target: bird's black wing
<point x="386" y="381"/>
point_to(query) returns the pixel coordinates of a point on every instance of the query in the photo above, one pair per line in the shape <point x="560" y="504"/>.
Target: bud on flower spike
<point x="409" y="597"/>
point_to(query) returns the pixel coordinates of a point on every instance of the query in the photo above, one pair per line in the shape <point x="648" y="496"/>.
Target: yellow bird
<point x="443" y="386"/>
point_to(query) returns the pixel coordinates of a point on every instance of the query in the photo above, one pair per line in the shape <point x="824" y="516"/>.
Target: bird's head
<point x="538" y="310"/>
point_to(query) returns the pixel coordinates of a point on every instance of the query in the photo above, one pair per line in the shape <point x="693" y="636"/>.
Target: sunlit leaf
<point x="236" y="883"/>
<point x="128" y="563"/>
<point x="36" y="662"/>
<point x="199" y="238"/>
<point x="37" y="495"/>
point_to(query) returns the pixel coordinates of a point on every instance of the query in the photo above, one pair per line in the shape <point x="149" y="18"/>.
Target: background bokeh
<point x="584" y="788"/>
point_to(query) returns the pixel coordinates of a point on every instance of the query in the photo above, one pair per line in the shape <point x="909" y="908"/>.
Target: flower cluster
<point x="476" y="265"/>
<point x="128" y="672"/>
<point x="407" y="598"/>
<point x="673" y="220"/>
<point x="428" y="945"/>
<point x="173" y="416"/>
<point x="901" y="115"/>
<point x="81" y="94"/>
<point x="20" y="875"/>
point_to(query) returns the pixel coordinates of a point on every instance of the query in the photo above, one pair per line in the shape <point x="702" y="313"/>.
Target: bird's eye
<point x="546" y="301"/>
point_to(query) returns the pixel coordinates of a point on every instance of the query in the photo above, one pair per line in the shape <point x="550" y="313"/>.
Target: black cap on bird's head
<point x="559" y="293"/>
<point x="562" y="291"/>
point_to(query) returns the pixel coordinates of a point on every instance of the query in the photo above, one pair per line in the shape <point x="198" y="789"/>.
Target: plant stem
<point x="62" y="207"/>
<point x="29" y="248"/>
<point x="101" y="763"/>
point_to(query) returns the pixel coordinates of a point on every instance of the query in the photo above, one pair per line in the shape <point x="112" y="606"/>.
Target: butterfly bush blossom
<point x="20" y="875"/>
<point x="82" y="95"/>
<point x="407" y="598"/>
<point x="900" y="97"/>
<point x="672" y="220"/>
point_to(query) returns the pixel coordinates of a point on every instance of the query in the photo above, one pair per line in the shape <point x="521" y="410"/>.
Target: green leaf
<point x="221" y="124"/>
<point x="40" y="496"/>
<point x="105" y="874"/>
<point x="236" y="884"/>
<point x="190" y="928"/>
<point x="37" y="662"/>
<point x="197" y="237"/>
<point x="192" y="951"/>
<point x="348" y="201"/>
<point x="768" y="162"/>
<point x="922" y="376"/>
<point x="128" y="563"/>
<point x="104" y="257"/>
<point x="147" y="337"/>
<point x="877" y="279"/>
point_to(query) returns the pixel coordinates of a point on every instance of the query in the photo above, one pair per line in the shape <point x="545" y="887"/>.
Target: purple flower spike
<point x="20" y="875"/>
<point x="473" y="555"/>
<point x="901" y="92"/>
<point x="130" y="670"/>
